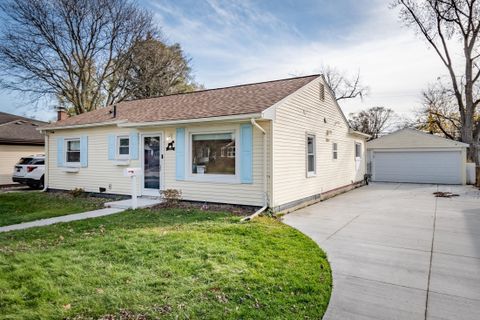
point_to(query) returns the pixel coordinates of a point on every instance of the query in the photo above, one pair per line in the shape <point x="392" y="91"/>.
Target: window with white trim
<point x="123" y="147"/>
<point x="335" y="151"/>
<point x="358" y="150"/>
<point x="213" y="153"/>
<point x="311" y="155"/>
<point x="72" y="151"/>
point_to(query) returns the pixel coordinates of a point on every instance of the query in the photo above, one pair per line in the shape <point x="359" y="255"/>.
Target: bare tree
<point x="373" y="121"/>
<point x="342" y="85"/>
<point x="69" y="48"/>
<point x="439" y="22"/>
<point x="439" y="112"/>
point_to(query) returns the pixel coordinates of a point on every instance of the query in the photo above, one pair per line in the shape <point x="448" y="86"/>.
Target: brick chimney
<point x="61" y="113"/>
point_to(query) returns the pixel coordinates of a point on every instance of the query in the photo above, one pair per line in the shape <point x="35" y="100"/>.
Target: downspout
<point x="47" y="155"/>
<point x="265" y="177"/>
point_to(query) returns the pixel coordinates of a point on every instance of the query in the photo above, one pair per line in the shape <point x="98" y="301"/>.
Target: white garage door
<point x="442" y="167"/>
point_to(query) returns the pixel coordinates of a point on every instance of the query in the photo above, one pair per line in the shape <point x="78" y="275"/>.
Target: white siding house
<point x="279" y="143"/>
<point x="336" y="165"/>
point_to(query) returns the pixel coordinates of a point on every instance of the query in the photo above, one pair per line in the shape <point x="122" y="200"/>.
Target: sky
<point x="240" y="41"/>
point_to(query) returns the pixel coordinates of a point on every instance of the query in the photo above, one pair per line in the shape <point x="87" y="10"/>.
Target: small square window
<point x="311" y="155"/>
<point x="73" y="151"/>
<point x="335" y="150"/>
<point x="123" y="146"/>
<point x="358" y="150"/>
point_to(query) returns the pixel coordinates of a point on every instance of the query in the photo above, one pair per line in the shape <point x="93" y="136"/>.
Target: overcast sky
<point x="240" y="41"/>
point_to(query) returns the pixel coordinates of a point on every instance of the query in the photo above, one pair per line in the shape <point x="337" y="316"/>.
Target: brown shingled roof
<point x="235" y="100"/>
<point x="8" y="117"/>
<point x="20" y="130"/>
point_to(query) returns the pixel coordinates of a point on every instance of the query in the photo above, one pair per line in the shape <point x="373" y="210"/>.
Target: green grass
<point x="167" y="264"/>
<point x="17" y="207"/>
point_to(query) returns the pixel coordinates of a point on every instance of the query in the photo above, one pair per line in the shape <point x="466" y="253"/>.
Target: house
<point x="278" y="143"/>
<point x="18" y="138"/>
<point x="410" y="155"/>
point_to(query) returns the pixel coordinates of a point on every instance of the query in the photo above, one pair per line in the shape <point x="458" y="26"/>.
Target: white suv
<point x="30" y="171"/>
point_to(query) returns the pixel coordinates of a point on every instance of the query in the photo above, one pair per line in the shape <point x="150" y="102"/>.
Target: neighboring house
<point x="410" y="155"/>
<point x="276" y="143"/>
<point x="18" y="138"/>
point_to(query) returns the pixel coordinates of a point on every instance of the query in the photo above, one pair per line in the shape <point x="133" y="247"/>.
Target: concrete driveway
<point x="397" y="252"/>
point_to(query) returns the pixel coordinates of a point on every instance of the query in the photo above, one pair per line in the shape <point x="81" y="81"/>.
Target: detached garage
<point x="413" y="156"/>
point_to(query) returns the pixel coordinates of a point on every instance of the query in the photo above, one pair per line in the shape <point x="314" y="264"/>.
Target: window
<point x="123" y="147"/>
<point x="38" y="161"/>
<point x="358" y="150"/>
<point x="25" y="160"/>
<point x="311" y="157"/>
<point x="73" y="151"/>
<point x="335" y="150"/>
<point x="213" y="153"/>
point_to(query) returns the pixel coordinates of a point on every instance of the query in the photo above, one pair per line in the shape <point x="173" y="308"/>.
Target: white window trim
<point x="117" y="148"/>
<point x="65" y="150"/>
<point x="355" y="151"/>
<point x="334" y="151"/>
<point x="314" y="172"/>
<point x="216" y="178"/>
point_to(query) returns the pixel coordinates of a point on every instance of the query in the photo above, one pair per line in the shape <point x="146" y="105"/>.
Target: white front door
<point x="151" y="164"/>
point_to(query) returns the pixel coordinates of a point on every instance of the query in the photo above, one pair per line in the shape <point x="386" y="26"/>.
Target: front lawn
<point x="167" y="263"/>
<point x="17" y="207"/>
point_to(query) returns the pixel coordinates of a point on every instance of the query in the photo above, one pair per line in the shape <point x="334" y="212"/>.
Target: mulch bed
<point x="206" y="206"/>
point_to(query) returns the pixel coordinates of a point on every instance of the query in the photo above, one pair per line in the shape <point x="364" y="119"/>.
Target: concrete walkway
<point x="111" y="208"/>
<point x="397" y="252"/>
<point x="67" y="218"/>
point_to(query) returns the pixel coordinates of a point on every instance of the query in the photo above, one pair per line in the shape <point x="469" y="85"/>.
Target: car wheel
<point x="41" y="184"/>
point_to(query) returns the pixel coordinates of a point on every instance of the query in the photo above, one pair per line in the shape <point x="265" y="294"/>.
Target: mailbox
<point x="130" y="172"/>
<point x="133" y="173"/>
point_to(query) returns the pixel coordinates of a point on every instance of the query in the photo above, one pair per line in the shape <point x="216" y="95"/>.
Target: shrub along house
<point x="277" y="143"/>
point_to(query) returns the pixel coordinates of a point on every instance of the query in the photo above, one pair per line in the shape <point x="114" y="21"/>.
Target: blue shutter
<point x="84" y="151"/>
<point x="246" y="153"/>
<point x="60" y="152"/>
<point x="111" y="147"/>
<point x="133" y="146"/>
<point x="180" y="154"/>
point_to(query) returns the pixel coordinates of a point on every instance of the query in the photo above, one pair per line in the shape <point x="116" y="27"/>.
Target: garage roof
<point x="411" y="138"/>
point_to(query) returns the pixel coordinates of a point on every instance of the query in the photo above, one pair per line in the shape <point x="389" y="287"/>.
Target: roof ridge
<point x="21" y="120"/>
<point x="17" y="117"/>
<point x="221" y="88"/>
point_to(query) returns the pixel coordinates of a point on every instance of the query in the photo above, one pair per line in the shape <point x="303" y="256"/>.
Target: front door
<point x="151" y="162"/>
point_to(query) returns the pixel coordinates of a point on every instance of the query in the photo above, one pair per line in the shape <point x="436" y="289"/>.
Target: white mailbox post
<point x="133" y="173"/>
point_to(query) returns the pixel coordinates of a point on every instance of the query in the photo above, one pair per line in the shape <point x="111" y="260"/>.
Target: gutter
<point x="358" y="133"/>
<point x="78" y="126"/>
<point x="265" y="177"/>
<point x="126" y="124"/>
<point x="47" y="156"/>
<point x="187" y="121"/>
